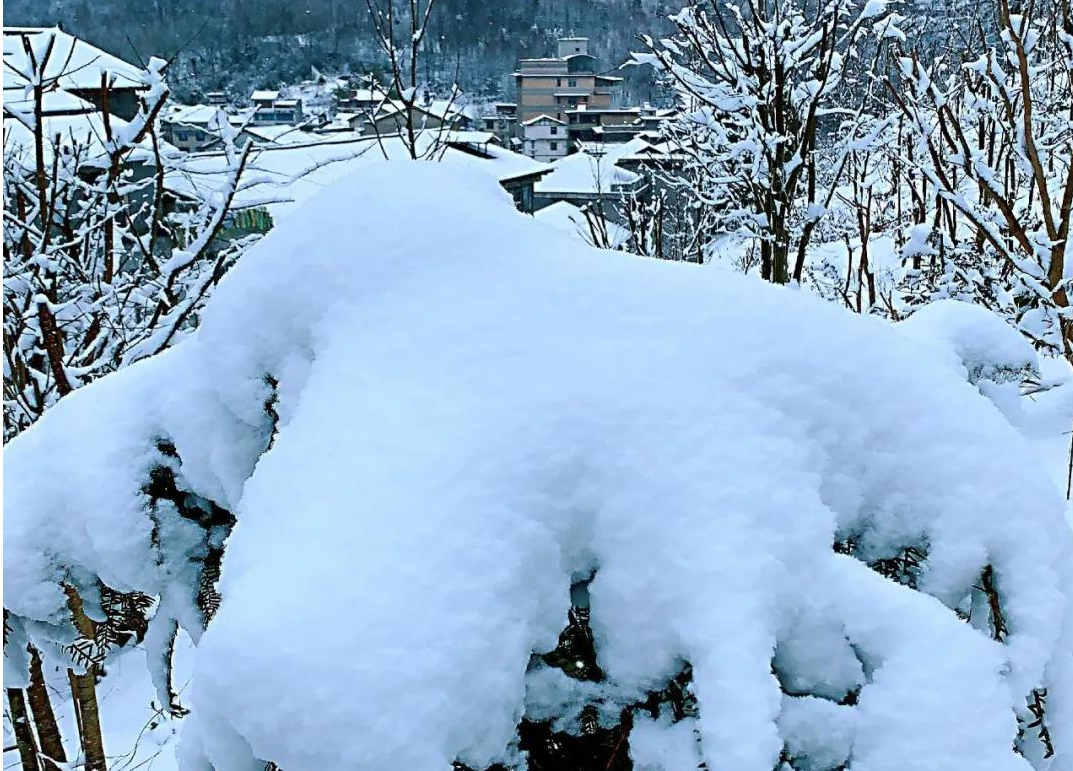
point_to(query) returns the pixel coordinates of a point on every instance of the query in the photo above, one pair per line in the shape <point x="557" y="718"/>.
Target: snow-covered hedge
<point x="420" y="418"/>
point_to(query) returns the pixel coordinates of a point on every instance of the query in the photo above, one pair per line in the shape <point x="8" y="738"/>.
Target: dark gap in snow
<point x="903" y="566"/>
<point x="165" y="487"/>
<point x="575" y="654"/>
<point x="270" y="409"/>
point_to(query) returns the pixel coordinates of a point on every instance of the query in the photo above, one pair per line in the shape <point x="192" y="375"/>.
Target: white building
<point x="545" y="138"/>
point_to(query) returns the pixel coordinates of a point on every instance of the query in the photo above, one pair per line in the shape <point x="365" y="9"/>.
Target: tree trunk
<point x="48" y="731"/>
<point x="84" y="690"/>
<point x="24" y="736"/>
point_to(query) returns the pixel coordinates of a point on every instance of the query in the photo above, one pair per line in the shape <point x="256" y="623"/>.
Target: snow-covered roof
<point x="541" y="119"/>
<point x="285" y="103"/>
<point x="85" y="131"/>
<point x="18" y="101"/>
<point x="264" y="95"/>
<point x="194" y="114"/>
<point x="563" y="215"/>
<point x="443" y="109"/>
<point x="286" y="134"/>
<point x="367" y="95"/>
<point x="472" y="137"/>
<point x="73" y="64"/>
<point x="287" y="174"/>
<point x="585" y="174"/>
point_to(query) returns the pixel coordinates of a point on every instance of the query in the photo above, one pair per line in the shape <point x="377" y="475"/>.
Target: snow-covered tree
<point x="401" y="31"/>
<point x="993" y="141"/>
<point x="103" y="265"/>
<point x="759" y="83"/>
<point x="501" y="498"/>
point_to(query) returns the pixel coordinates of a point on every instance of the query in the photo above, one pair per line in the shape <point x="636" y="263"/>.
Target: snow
<point x="285" y="134"/>
<point x="564" y="216"/>
<point x="474" y="412"/>
<point x="203" y="114"/>
<point x="17" y="101"/>
<point x="985" y="349"/>
<point x="283" y="175"/>
<point x="137" y="734"/>
<point x="1047" y="421"/>
<point x="73" y="64"/>
<point x="85" y="131"/>
<point x="660" y="745"/>
<point x="582" y="173"/>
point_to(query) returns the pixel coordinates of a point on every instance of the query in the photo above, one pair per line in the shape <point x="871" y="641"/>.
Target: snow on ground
<point x="475" y="411"/>
<point x="137" y="734"/>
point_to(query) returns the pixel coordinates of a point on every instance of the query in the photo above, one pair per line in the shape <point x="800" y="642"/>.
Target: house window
<point x="180" y="135"/>
<point x="553" y="146"/>
<point x="572" y="82"/>
<point x="554" y="130"/>
<point x="558" y="81"/>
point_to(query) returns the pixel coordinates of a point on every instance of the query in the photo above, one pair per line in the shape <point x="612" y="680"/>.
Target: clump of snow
<point x="430" y="414"/>
<point x="988" y="347"/>
<point x="992" y="355"/>
<point x="662" y="745"/>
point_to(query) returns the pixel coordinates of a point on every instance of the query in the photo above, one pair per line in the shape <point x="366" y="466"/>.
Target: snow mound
<point x="430" y="416"/>
<point x="989" y="352"/>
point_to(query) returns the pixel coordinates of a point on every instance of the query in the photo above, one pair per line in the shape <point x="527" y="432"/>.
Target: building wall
<point x="546" y="150"/>
<point x="122" y="102"/>
<point x="187" y="137"/>
<point x="397" y="123"/>
<point x="537" y="95"/>
<point x="571" y="46"/>
<point x="545" y="141"/>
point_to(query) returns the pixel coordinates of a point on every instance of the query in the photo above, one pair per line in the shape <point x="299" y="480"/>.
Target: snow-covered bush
<point x="429" y="434"/>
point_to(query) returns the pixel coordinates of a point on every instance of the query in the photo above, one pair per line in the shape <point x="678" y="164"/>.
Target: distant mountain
<point x="239" y="45"/>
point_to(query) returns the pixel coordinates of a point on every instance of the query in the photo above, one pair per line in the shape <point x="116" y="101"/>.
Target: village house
<point x="503" y="122"/>
<point x="545" y="138"/>
<point x="76" y="67"/>
<point x="365" y="99"/>
<point x="433" y="115"/>
<point x="197" y="127"/>
<point x="272" y="109"/>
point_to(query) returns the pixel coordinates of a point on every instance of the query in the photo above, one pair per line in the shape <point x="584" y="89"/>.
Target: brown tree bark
<point x="48" y="731"/>
<point x="84" y="691"/>
<point x="24" y="735"/>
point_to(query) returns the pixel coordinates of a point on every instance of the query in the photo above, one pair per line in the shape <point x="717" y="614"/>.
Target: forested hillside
<point x="238" y="45"/>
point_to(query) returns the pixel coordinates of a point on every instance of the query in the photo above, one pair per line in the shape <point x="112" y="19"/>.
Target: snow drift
<point x="430" y="415"/>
